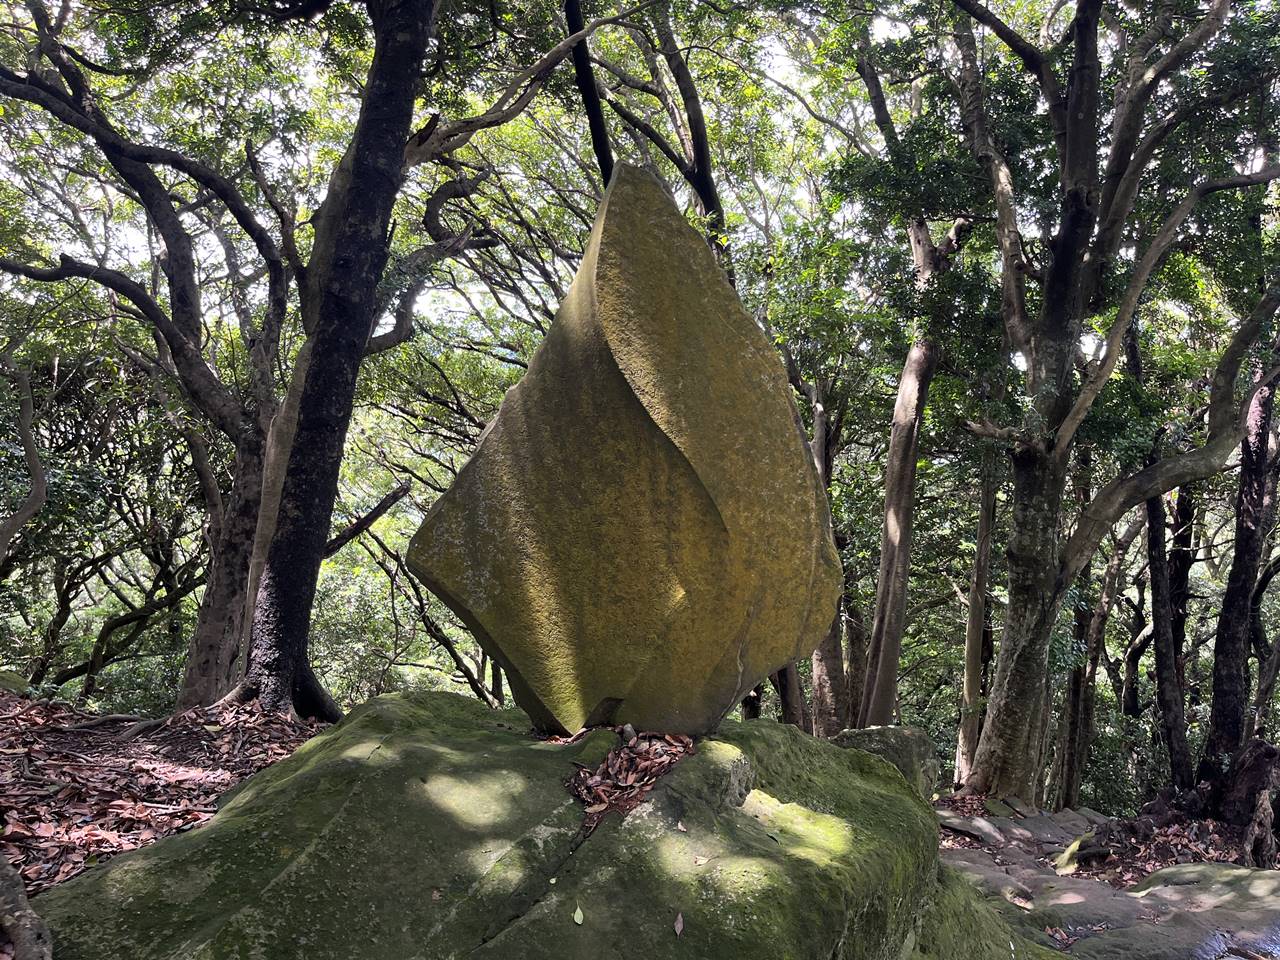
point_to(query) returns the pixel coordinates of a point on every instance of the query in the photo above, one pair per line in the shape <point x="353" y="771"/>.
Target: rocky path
<point x="1027" y="862"/>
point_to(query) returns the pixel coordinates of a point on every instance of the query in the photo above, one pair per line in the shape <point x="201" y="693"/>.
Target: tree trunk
<point x="349" y="255"/>
<point x="888" y="621"/>
<point x="584" y="78"/>
<point x="829" y="685"/>
<point x="1173" y="724"/>
<point x="1069" y="733"/>
<point x="855" y="655"/>
<point x="38" y="493"/>
<point x="213" y="661"/>
<point x="975" y="625"/>
<point x="790" y="697"/>
<point x="495" y="684"/>
<point x="1080" y="733"/>
<point x="1268" y="653"/>
<point x="1229" y="712"/>
<point x="1140" y="634"/>
<point x="64" y="589"/>
<point x="1182" y="556"/>
<point x="1005" y="763"/>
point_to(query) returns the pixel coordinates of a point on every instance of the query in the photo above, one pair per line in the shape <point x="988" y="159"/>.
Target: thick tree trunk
<point x="1006" y="761"/>
<point x="1268" y="653"/>
<point x="888" y="621"/>
<point x="786" y="682"/>
<point x="1229" y="712"/>
<point x="975" y="625"/>
<point x="1173" y="724"/>
<point x="348" y="259"/>
<point x="213" y="661"/>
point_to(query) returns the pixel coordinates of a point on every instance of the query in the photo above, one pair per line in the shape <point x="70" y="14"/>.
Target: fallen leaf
<point x="681" y="827"/>
<point x="699" y="861"/>
<point x="577" y="915"/>
<point x="679" y="924"/>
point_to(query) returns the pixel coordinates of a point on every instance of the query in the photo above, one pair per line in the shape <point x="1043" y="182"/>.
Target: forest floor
<point x="76" y="788"/>
<point x="1129" y="849"/>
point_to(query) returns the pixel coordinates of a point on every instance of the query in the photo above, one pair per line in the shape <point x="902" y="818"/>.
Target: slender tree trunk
<point x="855" y="654"/>
<point x="213" y="661"/>
<point x="1229" y="712"/>
<point x="1080" y="734"/>
<point x="975" y="624"/>
<point x="1071" y="717"/>
<point x="585" y="79"/>
<point x="1130" y="701"/>
<point x="349" y="255"/>
<point x="888" y="621"/>
<point x="829" y="685"/>
<point x="1006" y="760"/>
<point x="38" y="493"/>
<point x="1182" y="557"/>
<point x="1173" y="724"/>
<point x="495" y="684"/>
<point x="752" y="703"/>
<point x="64" y="592"/>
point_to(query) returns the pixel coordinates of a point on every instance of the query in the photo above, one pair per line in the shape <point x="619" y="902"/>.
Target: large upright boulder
<point x="640" y="535"/>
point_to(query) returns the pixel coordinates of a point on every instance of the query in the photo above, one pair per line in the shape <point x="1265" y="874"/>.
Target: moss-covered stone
<point x="907" y="748"/>
<point x="14" y="683"/>
<point x="640" y="536"/>
<point x="425" y="826"/>
<point x="958" y="924"/>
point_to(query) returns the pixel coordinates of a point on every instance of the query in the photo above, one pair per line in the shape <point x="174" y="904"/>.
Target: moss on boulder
<point x="14" y="683"/>
<point x="425" y="826"/>
<point x="907" y="748"/>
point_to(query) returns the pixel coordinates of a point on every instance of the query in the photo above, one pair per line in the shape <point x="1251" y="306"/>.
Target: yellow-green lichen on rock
<point x="640" y="535"/>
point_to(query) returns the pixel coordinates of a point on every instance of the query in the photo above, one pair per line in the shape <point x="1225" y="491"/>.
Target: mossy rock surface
<point x="425" y="826"/>
<point x="14" y="683"/>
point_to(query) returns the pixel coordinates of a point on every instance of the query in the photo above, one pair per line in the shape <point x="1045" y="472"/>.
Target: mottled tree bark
<point x="888" y="620"/>
<point x="829" y="684"/>
<point x="213" y="660"/>
<point x="1078" y="725"/>
<point x="975" y="625"/>
<point x="1173" y="724"/>
<point x="786" y="682"/>
<point x="584" y="78"/>
<point x="855" y="654"/>
<point x="349" y="254"/>
<point x="1006" y="761"/>
<point x="1182" y="556"/>
<point x="495" y="684"/>
<point x="1229" y="711"/>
